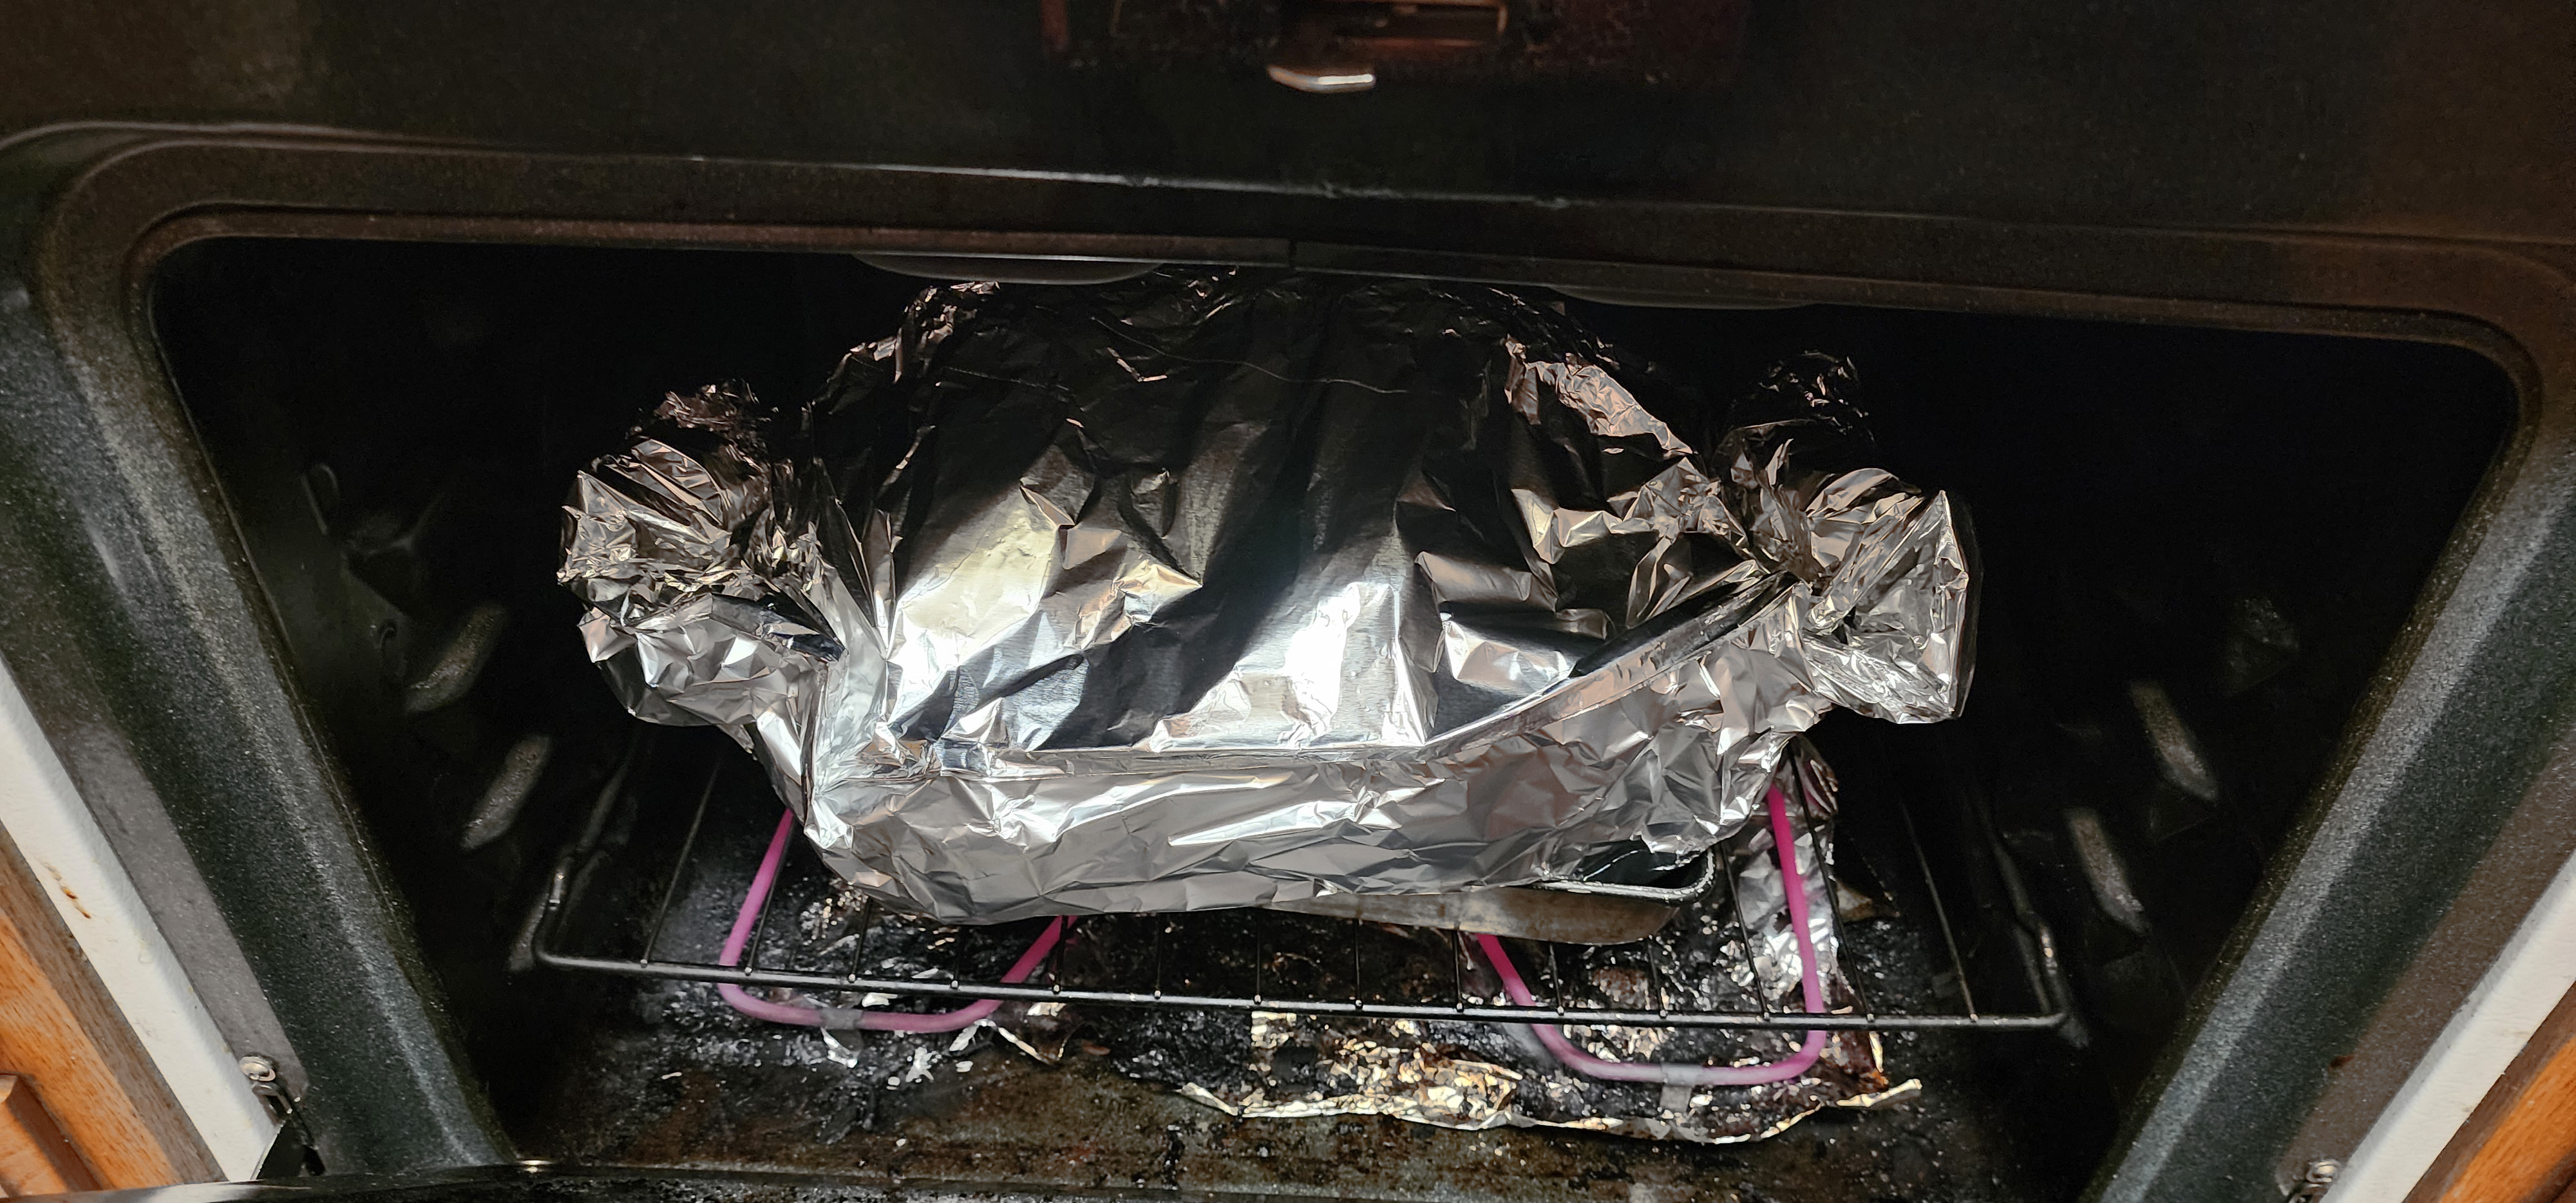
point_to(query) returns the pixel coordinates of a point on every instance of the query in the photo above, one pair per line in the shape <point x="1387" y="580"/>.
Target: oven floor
<point x="665" y="1075"/>
<point x="653" y="1072"/>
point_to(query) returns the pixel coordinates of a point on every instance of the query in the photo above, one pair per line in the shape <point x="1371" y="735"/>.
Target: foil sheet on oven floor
<point x="1443" y="1074"/>
<point x="1266" y="1065"/>
<point x="1479" y="1075"/>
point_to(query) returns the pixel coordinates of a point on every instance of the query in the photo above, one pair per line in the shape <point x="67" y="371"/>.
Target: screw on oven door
<point x="2314" y="1181"/>
<point x="294" y="1152"/>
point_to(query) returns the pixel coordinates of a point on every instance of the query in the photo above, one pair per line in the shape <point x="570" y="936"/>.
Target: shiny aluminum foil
<point x="1214" y="589"/>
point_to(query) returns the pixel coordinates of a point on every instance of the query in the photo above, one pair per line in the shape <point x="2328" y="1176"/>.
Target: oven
<point x="2252" y="832"/>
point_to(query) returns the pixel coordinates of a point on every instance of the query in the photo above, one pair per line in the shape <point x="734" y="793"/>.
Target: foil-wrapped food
<point x="1223" y="588"/>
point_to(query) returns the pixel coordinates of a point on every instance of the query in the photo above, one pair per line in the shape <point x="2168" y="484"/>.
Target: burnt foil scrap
<point x="1731" y="950"/>
<point x="1217" y="589"/>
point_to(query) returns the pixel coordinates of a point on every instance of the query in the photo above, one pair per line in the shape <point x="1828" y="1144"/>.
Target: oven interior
<point x="2200" y="547"/>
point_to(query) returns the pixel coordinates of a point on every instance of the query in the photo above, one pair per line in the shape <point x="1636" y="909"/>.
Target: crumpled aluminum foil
<point x="1214" y="589"/>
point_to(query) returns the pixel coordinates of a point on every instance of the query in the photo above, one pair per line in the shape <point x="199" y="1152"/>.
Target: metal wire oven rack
<point x="600" y="888"/>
